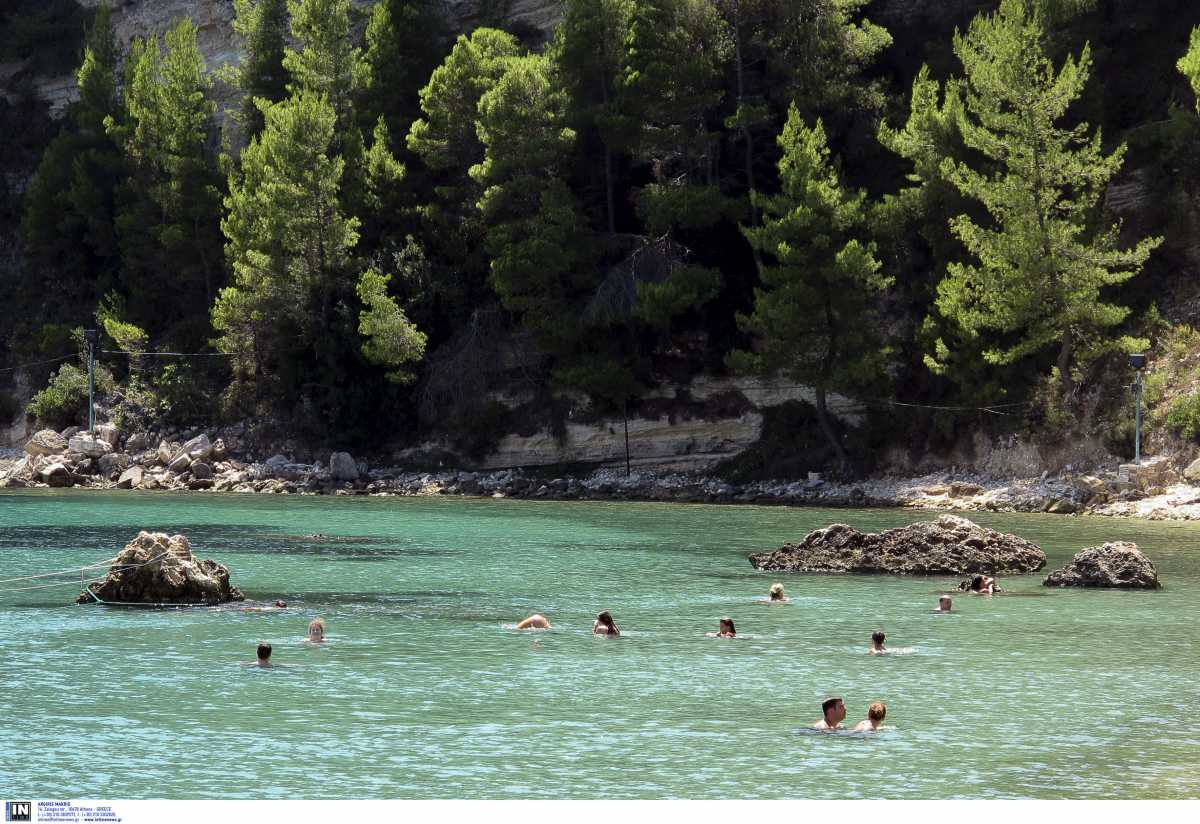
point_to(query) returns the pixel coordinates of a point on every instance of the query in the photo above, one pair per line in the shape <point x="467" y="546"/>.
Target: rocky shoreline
<point x="192" y="461"/>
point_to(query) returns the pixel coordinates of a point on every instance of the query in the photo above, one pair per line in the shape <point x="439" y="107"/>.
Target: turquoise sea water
<point x="423" y="692"/>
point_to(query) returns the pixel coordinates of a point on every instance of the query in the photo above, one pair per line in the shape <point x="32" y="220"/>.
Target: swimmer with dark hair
<point x="724" y="629"/>
<point x="262" y="656"/>
<point x="833" y="711"/>
<point x="272" y="608"/>
<point x="877" y="639"/>
<point x="875" y="715"/>
<point x="944" y="604"/>
<point x="603" y="625"/>
<point x="979" y="585"/>
<point x="535" y="621"/>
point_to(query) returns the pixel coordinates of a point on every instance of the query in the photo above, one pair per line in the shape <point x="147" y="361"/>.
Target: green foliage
<point x="529" y="211"/>
<point x="46" y="33"/>
<point x="325" y="61"/>
<point x="814" y="315"/>
<point x="288" y="240"/>
<point x="686" y="288"/>
<point x="1189" y="65"/>
<point x="169" y="207"/>
<point x="1183" y="416"/>
<point x="391" y="340"/>
<point x="1042" y="259"/>
<point x="262" y="26"/>
<point x="63" y="402"/>
<point x="405" y="41"/>
<point x="179" y="390"/>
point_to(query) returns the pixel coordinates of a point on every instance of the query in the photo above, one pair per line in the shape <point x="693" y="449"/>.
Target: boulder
<point x="87" y="445"/>
<point x="200" y="483"/>
<point x="131" y="477"/>
<point x="109" y="433"/>
<point x="46" y="442"/>
<point x="113" y="462"/>
<point x="219" y="451"/>
<point x="197" y="449"/>
<point x="1089" y="485"/>
<point x="156" y="569"/>
<point x="961" y="489"/>
<point x="137" y="442"/>
<point x="180" y="462"/>
<point x="166" y="451"/>
<point x="56" y="474"/>
<point x="949" y="545"/>
<point x="342" y="467"/>
<point x="1062" y="506"/>
<point x="1192" y="472"/>
<point x="68" y="432"/>
<point x="1115" y="564"/>
<point x="201" y="470"/>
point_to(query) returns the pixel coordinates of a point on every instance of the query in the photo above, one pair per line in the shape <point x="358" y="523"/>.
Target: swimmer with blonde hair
<point x="776" y="593"/>
<point x="316" y="632"/>
<point x="535" y="621"/>
<point x="875" y="715"/>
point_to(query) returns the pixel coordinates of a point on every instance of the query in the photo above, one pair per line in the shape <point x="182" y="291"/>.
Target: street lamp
<point x="1137" y="362"/>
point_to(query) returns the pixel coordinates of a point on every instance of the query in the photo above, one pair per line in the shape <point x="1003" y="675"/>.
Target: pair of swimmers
<point x="833" y="712"/>
<point x="316" y="635"/>
<point x="603" y="625"/>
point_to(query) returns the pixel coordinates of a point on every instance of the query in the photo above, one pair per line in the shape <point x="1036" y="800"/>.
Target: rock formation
<point x="1115" y="564"/>
<point x="156" y="569"/>
<point x="948" y="546"/>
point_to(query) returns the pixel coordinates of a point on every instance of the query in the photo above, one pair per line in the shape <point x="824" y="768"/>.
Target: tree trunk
<point x="827" y="428"/>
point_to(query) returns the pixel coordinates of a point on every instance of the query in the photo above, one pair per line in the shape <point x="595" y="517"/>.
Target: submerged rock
<point x="947" y="546"/>
<point x="1115" y="564"/>
<point x="156" y="569"/>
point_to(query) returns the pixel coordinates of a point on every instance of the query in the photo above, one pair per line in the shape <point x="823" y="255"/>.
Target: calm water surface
<point x="423" y="692"/>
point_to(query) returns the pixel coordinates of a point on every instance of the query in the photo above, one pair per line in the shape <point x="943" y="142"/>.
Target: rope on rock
<point x="48" y="586"/>
<point x="70" y="571"/>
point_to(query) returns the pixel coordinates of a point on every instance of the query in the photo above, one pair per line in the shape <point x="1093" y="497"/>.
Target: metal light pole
<point x="92" y="336"/>
<point x="1138" y="362"/>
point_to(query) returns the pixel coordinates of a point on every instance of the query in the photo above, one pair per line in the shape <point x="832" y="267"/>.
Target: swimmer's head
<point x="605" y="618"/>
<point x="726" y="626"/>
<point x="776" y="591"/>
<point x="834" y="710"/>
<point x="264" y="651"/>
<point x="877" y="637"/>
<point x="978" y="582"/>
<point x="944" y="603"/>
<point x="281" y="604"/>
<point x="316" y="630"/>
<point x="876" y="711"/>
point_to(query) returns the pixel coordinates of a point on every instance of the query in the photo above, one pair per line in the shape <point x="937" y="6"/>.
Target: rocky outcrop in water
<point x="156" y="569"/>
<point x="1117" y="564"/>
<point x="947" y="546"/>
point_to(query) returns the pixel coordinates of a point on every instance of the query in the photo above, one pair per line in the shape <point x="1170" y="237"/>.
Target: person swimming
<point x="834" y="712"/>
<point x="272" y="608"/>
<point x="262" y="656"/>
<point x="535" y="621"/>
<point x="877" y="638"/>
<point x="316" y="632"/>
<point x="875" y="715"/>
<point x="724" y="629"/>
<point x="944" y="604"/>
<point x="776" y="594"/>
<point x="979" y="585"/>
<point x="603" y="625"/>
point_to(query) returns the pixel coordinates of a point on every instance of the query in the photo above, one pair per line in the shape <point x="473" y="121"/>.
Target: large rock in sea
<point x="948" y="546"/>
<point x="1115" y="564"/>
<point x="46" y="442"/>
<point x="156" y="569"/>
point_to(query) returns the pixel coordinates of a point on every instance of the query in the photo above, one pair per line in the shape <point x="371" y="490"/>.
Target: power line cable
<point x="170" y="354"/>
<point x="38" y="363"/>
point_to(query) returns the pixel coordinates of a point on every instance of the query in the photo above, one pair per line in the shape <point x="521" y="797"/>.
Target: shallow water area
<point x="424" y="690"/>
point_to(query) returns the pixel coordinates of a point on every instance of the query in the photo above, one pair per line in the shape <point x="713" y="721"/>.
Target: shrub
<point x="1183" y="416"/>
<point x="64" y="400"/>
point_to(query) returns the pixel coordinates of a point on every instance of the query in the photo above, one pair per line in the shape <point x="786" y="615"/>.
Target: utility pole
<point x="92" y="336"/>
<point x="625" y="415"/>
<point x="1138" y="362"/>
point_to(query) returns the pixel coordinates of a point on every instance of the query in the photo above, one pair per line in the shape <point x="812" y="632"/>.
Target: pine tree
<point x="262" y="26"/>
<point x="1045" y="256"/>
<point x="1189" y="65"/>
<point x="814" y="315"/>
<point x="68" y="221"/>
<point x="168" y="218"/>
<point x="533" y="226"/>
<point x="289" y="245"/>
